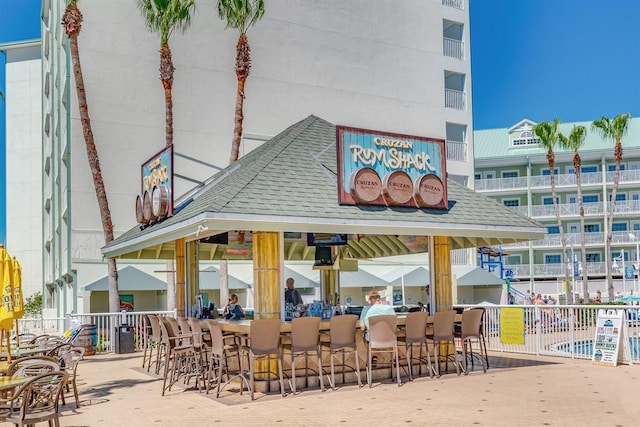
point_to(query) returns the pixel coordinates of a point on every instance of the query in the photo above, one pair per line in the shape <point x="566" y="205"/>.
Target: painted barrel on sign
<point x="87" y="338"/>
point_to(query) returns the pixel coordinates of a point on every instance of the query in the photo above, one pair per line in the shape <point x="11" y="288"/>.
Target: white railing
<point x="454" y="99"/>
<point x="453" y="48"/>
<point x="561" y="180"/>
<point x="559" y="330"/>
<point x="105" y="323"/>
<point x="575" y="239"/>
<point x="456" y="150"/>
<point x="458" y="4"/>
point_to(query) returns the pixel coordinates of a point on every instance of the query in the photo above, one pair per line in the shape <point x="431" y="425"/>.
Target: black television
<point x="326" y="239"/>
<point x="323" y="256"/>
<point x="219" y="239"/>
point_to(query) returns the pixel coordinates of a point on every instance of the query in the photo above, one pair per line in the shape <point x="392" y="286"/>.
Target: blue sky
<point x="541" y="59"/>
<point x="20" y="21"/>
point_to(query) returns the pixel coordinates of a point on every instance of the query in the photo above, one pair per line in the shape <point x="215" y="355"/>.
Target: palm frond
<point x="240" y="14"/>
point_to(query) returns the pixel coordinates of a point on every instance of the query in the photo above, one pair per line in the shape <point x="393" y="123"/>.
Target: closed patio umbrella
<point x="18" y="300"/>
<point x="6" y="306"/>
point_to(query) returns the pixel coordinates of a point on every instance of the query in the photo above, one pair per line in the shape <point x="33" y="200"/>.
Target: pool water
<point x="585" y="347"/>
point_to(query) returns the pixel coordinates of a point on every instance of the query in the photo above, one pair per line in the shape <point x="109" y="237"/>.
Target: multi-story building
<point x="378" y="65"/>
<point x="512" y="167"/>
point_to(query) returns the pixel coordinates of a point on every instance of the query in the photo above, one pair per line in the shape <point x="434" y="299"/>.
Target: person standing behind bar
<point x="291" y="295"/>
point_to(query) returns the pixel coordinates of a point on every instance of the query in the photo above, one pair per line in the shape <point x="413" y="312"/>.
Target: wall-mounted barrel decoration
<point x="139" y="214"/>
<point x="428" y="191"/>
<point x="365" y="185"/>
<point x="160" y="201"/>
<point x="397" y="188"/>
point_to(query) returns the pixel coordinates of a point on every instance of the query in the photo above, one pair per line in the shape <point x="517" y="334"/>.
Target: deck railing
<point x="551" y="330"/>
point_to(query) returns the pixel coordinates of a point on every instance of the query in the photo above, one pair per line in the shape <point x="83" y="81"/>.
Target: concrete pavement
<point x="521" y="390"/>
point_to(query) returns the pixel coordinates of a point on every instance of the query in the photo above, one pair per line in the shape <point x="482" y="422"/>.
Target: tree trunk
<point x="243" y="65"/>
<point x="612" y="209"/>
<point x="72" y="21"/>
<point x="577" y="164"/>
<point x="224" y="283"/>
<point x="166" y="76"/>
<point x="565" y="251"/>
<point x="171" y="285"/>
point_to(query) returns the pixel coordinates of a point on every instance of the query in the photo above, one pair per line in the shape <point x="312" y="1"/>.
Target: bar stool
<point x="219" y="361"/>
<point x="305" y="339"/>
<point x="342" y="341"/>
<point x="415" y="335"/>
<point x="443" y="334"/>
<point x="471" y="331"/>
<point x="382" y="338"/>
<point x="181" y="359"/>
<point x="154" y="341"/>
<point x="264" y="342"/>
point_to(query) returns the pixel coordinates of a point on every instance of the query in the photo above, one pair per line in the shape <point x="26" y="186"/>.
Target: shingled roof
<point x="290" y="184"/>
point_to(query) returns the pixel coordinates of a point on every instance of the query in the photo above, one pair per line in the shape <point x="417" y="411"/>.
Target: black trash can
<point x="124" y="339"/>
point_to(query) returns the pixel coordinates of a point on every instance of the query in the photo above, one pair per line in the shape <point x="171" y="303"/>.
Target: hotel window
<point x="592" y="228"/>
<point x="549" y="200"/>
<point x="510" y="174"/>
<point x="477" y="176"/>
<point x="620" y="197"/>
<point x="553" y="259"/>
<point x="511" y="202"/>
<point x="553" y="229"/>
<point x="612" y="168"/>
<point x="589" y="198"/>
<point x="593" y="257"/>
<point x="619" y="226"/>
<point x="547" y="172"/>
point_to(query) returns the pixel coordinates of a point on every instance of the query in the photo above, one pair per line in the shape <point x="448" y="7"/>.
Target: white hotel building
<point x="389" y="66"/>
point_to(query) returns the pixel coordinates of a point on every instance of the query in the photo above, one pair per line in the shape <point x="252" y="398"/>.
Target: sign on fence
<point x="611" y="333"/>
<point x="512" y="326"/>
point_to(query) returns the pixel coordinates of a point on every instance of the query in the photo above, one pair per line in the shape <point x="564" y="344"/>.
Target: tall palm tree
<point x="574" y="142"/>
<point x="72" y="23"/>
<point x="548" y="134"/>
<point x="614" y="129"/>
<point x="240" y="14"/>
<point x="164" y="17"/>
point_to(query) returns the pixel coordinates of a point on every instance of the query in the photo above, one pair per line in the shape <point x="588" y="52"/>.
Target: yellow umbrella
<point x="6" y="304"/>
<point x="18" y="301"/>
<point x="6" y="275"/>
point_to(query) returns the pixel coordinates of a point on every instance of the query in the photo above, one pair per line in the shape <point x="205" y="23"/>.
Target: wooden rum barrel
<point x="160" y="201"/>
<point x="139" y="214"/>
<point x="397" y="188"/>
<point x="87" y="338"/>
<point x="366" y="185"/>
<point x="146" y="207"/>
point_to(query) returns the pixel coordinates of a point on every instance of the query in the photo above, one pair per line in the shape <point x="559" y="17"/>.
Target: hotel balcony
<point x="456" y="4"/>
<point x="574" y="239"/>
<point x="551" y="271"/>
<point x="591" y="179"/>
<point x="456" y="150"/>
<point x="567" y="210"/>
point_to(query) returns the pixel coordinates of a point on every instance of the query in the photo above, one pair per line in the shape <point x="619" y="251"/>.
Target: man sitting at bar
<point x="377" y="308"/>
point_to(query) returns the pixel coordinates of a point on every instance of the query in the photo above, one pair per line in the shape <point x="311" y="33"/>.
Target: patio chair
<point x="219" y="361"/>
<point x="382" y="339"/>
<point x="342" y="341"/>
<point x="305" y="339"/>
<point x="32" y="365"/>
<point x="442" y="336"/>
<point x="264" y="343"/>
<point x="154" y="341"/>
<point x="35" y="401"/>
<point x="72" y="358"/>
<point x="181" y="359"/>
<point x="470" y="332"/>
<point x="415" y="335"/>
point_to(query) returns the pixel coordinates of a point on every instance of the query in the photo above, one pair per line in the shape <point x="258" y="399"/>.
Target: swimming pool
<point x="585" y="347"/>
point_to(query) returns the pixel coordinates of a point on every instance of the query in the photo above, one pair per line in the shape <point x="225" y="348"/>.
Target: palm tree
<point x="164" y="17"/>
<point x="614" y="129"/>
<point x="548" y="134"/>
<point x="72" y="22"/>
<point x="240" y="14"/>
<point x="574" y="142"/>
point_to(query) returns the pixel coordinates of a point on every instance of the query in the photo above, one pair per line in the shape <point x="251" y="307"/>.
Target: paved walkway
<point x="522" y="390"/>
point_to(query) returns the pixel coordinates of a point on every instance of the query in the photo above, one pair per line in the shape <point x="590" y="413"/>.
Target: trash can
<point x="124" y="339"/>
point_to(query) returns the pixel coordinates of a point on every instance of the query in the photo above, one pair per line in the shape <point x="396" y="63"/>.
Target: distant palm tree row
<point x="614" y="129"/>
<point x="163" y="17"/>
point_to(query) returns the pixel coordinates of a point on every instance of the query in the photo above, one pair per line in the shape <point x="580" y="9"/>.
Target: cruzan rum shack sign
<point x="155" y="201"/>
<point x="386" y="169"/>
